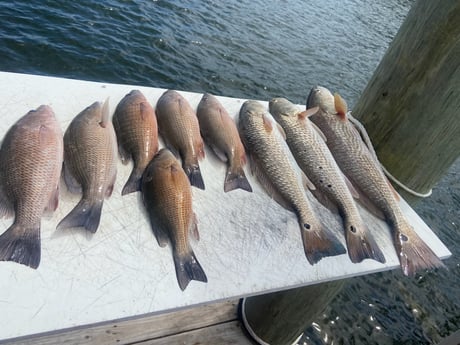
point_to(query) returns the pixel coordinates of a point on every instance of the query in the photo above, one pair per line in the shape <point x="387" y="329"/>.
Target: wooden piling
<point x="280" y="318"/>
<point x="411" y="105"/>
<point x="411" y="110"/>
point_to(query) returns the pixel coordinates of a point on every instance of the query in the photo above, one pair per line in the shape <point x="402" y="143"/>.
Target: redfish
<point x="326" y="180"/>
<point x="30" y="166"/>
<point x="272" y="167"/>
<point x="167" y="196"/>
<point x="90" y="154"/>
<point x="359" y="163"/>
<point x="220" y="133"/>
<point x="179" y="128"/>
<point x="137" y="135"/>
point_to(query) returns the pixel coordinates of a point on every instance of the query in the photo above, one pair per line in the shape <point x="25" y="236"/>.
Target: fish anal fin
<point x="53" y="202"/>
<point x="351" y="188"/>
<point x="395" y="193"/>
<point x="159" y="229"/>
<point x="194" y="227"/>
<point x="6" y="207"/>
<point x="340" y="106"/>
<point x="325" y="200"/>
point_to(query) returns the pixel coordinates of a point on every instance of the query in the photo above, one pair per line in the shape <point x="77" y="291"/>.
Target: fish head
<point x="251" y="113"/>
<point x="164" y="159"/>
<point x="323" y="98"/>
<point x="281" y="109"/>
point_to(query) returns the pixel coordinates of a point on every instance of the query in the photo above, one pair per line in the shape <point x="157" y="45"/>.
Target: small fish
<point x="137" y="134"/>
<point x="90" y="153"/>
<point x="325" y="178"/>
<point x="179" y="128"/>
<point x="359" y="163"/>
<point x="275" y="172"/>
<point x="167" y="196"/>
<point x="220" y="133"/>
<point x="30" y="166"/>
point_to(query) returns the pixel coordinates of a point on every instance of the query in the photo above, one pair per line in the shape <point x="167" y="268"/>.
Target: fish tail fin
<point x="188" y="268"/>
<point x="134" y="182"/>
<point x="21" y="245"/>
<point x="361" y="244"/>
<point x="194" y="175"/>
<point x="319" y="242"/>
<point x="236" y="179"/>
<point x="86" y="214"/>
<point x="414" y="254"/>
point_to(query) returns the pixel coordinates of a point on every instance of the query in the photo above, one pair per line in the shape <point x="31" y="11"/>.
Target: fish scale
<point x="275" y="172"/>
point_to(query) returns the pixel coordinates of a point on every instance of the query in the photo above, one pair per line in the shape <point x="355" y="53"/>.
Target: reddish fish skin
<point x="361" y="167"/>
<point x="220" y="133"/>
<point x="136" y="128"/>
<point x="90" y="153"/>
<point x="179" y="128"/>
<point x="167" y="196"/>
<point x="30" y="165"/>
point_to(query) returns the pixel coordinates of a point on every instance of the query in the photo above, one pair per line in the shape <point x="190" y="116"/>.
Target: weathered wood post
<point x="411" y="105"/>
<point x="411" y="109"/>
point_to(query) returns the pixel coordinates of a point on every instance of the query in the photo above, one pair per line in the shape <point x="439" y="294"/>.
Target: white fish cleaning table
<point x="249" y="244"/>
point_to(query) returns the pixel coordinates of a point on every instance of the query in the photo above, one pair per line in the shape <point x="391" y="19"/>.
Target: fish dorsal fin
<point x="281" y="130"/>
<point x="309" y="112"/>
<point x="340" y="106"/>
<point x="105" y="114"/>
<point x="267" y="123"/>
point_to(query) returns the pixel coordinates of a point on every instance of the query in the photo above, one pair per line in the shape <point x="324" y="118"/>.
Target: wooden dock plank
<point x="141" y="329"/>
<point x="228" y="333"/>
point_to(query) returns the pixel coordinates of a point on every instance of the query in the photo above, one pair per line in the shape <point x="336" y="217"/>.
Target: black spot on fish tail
<point x="21" y="245"/>
<point x="361" y="245"/>
<point x="414" y="254"/>
<point x="319" y="243"/>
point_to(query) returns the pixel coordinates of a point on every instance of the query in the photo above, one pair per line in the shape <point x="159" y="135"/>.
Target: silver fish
<point x="360" y="165"/>
<point x="90" y="153"/>
<point x="275" y="172"/>
<point x="326" y="180"/>
<point x="220" y="133"/>
<point x="30" y="166"/>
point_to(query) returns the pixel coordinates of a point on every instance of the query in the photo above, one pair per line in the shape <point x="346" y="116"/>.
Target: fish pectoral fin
<point x="309" y="112"/>
<point x="264" y="180"/>
<point x="105" y="114"/>
<point x="340" y="106"/>
<point x="72" y="184"/>
<point x="267" y="123"/>
<point x="53" y="202"/>
<point x="146" y="110"/>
